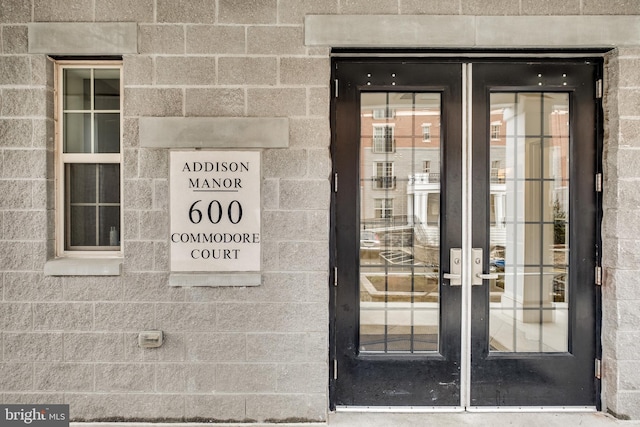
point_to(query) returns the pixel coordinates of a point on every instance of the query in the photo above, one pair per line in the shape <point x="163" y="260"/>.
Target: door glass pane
<point x="529" y="185"/>
<point x="399" y="222"/>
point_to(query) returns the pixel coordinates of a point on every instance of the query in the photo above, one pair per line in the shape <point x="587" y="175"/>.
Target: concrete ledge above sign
<point x="213" y="132"/>
<point x="83" y="38"/>
<point x="215" y="280"/>
<point x="425" y="31"/>
<point x="83" y="267"/>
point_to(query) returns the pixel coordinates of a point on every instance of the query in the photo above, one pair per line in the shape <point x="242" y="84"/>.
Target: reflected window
<point x="426" y="132"/>
<point x="383" y="177"/>
<point x="383" y="208"/>
<point x="383" y="141"/>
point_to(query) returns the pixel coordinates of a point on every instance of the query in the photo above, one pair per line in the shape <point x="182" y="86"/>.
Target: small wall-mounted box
<point x="150" y="339"/>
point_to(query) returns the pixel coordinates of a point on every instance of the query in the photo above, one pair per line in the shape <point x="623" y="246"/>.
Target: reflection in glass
<point x="77" y="89"/>
<point x="77" y="135"/>
<point x="529" y="202"/>
<point x="399" y="222"/>
<point x="93" y="205"/>
<point x="107" y="133"/>
<point x="107" y="89"/>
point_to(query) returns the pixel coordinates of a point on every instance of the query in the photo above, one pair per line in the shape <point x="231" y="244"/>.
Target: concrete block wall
<point x="231" y="353"/>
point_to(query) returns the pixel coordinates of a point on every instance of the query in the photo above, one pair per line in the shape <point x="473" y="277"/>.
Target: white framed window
<point x="384" y="113"/>
<point x="383" y="177"/>
<point x="426" y="132"/>
<point x="495" y="130"/>
<point x="383" y="208"/>
<point x="383" y="141"/>
<point x="88" y="158"/>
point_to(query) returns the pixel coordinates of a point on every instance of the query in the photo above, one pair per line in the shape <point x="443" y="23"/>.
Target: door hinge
<point x="599" y="182"/>
<point x="599" y="89"/>
<point x="335" y="369"/>
<point x="598" y="369"/>
<point x="335" y="276"/>
<point x="598" y="275"/>
<point x="335" y="182"/>
<point x="336" y="88"/>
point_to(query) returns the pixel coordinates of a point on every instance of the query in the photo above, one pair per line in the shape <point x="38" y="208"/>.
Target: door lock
<point x="455" y="267"/>
<point x="477" y="275"/>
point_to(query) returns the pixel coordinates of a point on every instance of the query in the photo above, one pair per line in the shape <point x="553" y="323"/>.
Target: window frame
<point x="62" y="159"/>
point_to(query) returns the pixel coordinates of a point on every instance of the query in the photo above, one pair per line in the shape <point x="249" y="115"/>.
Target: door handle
<point x="477" y="275"/>
<point x="455" y="267"/>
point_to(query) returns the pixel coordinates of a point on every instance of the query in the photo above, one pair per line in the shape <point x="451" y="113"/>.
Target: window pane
<point x="77" y="89"/>
<point x="110" y="226"/>
<point x="107" y="89"/>
<point x="82" y="225"/>
<point x="77" y="133"/>
<point x="110" y="183"/>
<point x="82" y="183"/>
<point x="107" y="133"/>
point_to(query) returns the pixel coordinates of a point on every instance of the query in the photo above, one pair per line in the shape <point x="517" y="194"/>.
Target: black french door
<point x="464" y="233"/>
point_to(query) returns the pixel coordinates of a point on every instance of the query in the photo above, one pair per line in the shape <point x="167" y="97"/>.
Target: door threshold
<point x="532" y="409"/>
<point x="399" y="409"/>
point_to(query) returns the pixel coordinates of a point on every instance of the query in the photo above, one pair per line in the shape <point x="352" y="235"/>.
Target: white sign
<point x="215" y="210"/>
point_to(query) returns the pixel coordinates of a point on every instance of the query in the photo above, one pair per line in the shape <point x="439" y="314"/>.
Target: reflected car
<point x="369" y="240"/>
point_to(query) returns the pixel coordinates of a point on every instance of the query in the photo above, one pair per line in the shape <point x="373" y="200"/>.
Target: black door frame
<point x="348" y="192"/>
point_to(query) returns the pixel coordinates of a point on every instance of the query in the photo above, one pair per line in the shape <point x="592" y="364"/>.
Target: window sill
<point x="215" y="279"/>
<point x="83" y="267"/>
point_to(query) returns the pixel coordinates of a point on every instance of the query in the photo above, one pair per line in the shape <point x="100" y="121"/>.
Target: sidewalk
<point x="370" y="419"/>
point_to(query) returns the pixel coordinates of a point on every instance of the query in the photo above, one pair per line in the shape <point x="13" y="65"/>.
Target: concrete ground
<point x="371" y="419"/>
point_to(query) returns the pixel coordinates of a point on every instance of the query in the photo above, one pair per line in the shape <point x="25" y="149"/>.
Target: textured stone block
<point x="318" y="225"/>
<point x="14" y="39"/>
<point x="15" y="316"/>
<point x="215" y="39"/>
<point x="613" y="7"/>
<point x="629" y="316"/>
<point x="186" y="70"/>
<point x="32" y="347"/>
<point x="270" y="257"/>
<point x="124" y="377"/>
<point x="277" y="102"/>
<point x="628" y="344"/>
<point x="82" y="38"/>
<point x="172" y="349"/>
<point x="188" y="11"/>
<point x="154" y="163"/>
<point x="23" y="286"/>
<point x="272" y="317"/>
<point x="302" y="378"/>
<point x="29" y="163"/>
<point x="369" y="6"/>
<point x="16" y="377"/>
<point x="130" y="163"/>
<point x="189" y="378"/>
<point x="219" y="407"/>
<point x="63" y="316"/>
<point x="137" y="70"/>
<point x="18" y="256"/>
<point x="248" y="12"/>
<point x="240" y="378"/>
<point x="160" y="256"/>
<point x="294" y="11"/>
<point x="247" y="71"/>
<point x="123" y="316"/>
<point x="186" y="317"/>
<point x="30" y="397"/>
<point x="125" y="406"/>
<point x="63" y="10"/>
<point x="214" y="102"/>
<point x="303" y="256"/>
<point x="161" y="195"/>
<point x="23" y="102"/>
<point x="550" y="7"/>
<point x="319" y="164"/>
<point x="630" y="132"/>
<point x="153" y="102"/>
<point x="316" y="345"/>
<point x="270" y="194"/>
<point x="15" y="70"/>
<point x="310" y="133"/>
<point x="280" y="407"/>
<point x="92" y="289"/>
<point x="283" y="225"/>
<point x="138" y="194"/>
<point x="216" y="347"/>
<point x="154" y="225"/>
<point x="284" y="164"/>
<point x="304" y="71"/>
<point x="93" y="347"/>
<point x="438" y="7"/>
<point x="161" y="39"/>
<point x="319" y="102"/>
<point x="138" y="256"/>
<point x="213" y="132"/>
<point x="629" y="74"/>
<point x="275" y="348"/>
<point x="124" y="10"/>
<point x="270" y="40"/>
<point x="15" y="11"/>
<point x="25" y="225"/>
<point x="627" y="405"/>
<point x="310" y="194"/>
